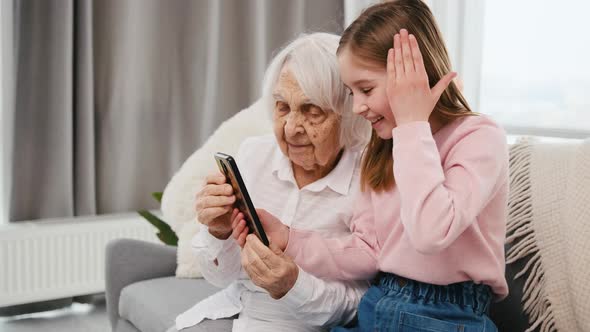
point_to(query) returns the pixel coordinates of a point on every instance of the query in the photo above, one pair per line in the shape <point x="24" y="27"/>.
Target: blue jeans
<point x="398" y="304"/>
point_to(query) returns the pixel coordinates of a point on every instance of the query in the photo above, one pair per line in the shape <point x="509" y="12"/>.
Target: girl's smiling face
<point x="367" y="85"/>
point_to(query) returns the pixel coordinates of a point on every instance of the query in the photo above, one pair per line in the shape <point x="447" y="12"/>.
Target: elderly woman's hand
<point x="214" y="203"/>
<point x="269" y="268"/>
<point x="276" y="231"/>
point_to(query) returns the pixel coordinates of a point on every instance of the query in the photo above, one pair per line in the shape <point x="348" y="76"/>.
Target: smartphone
<point x="227" y="165"/>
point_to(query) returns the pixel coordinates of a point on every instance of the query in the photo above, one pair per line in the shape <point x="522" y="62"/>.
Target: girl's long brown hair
<point x="369" y="38"/>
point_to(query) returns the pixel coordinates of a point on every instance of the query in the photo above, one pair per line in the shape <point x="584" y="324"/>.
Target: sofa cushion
<point x="124" y="325"/>
<point x="152" y="305"/>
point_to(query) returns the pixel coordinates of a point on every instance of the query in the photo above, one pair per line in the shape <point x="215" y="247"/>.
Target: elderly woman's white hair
<point x="312" y="60"/>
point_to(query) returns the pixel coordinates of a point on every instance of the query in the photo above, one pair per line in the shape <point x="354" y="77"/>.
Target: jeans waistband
<point x="467" y="293"/>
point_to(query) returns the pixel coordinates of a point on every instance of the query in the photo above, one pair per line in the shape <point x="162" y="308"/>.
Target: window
<point x="535" y="75"/>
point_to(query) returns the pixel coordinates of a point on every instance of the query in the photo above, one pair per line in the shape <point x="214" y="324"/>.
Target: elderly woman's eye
<point x="315" y="111"/>
<point x="282" y="107"/>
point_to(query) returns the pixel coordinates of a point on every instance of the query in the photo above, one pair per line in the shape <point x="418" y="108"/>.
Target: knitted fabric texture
<point x="549" y="224"/>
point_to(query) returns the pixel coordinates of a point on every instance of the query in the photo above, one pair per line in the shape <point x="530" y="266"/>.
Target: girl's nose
<point x="360" y="108"/>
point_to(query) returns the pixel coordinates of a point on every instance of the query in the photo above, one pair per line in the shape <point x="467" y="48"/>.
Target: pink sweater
<point x="443" y="222"/>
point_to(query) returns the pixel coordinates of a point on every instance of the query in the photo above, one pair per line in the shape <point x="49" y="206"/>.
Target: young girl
<point x="430" y="223"/>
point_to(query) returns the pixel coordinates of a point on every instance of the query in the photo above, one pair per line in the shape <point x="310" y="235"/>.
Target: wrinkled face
<point x="308" y="135"/>
<point x="367" y="86"/>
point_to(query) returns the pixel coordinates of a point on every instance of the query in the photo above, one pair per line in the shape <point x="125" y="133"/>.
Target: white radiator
<point x="61" y="258"/>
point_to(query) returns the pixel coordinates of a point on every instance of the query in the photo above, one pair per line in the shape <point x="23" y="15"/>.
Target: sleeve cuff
<point x="301" y="292"/>
<point x="206" y="244"/>
<point x="411" y="131"/>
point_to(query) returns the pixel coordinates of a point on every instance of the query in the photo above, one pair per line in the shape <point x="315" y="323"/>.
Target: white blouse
<point x="325" y="205"/>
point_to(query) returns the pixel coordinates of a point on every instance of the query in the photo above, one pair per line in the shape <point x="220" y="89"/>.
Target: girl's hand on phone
<point x="214" y="205"/>
<point x="408" y="90"/>
<point x="239" y="228"/>
<point x="276" y="231"/>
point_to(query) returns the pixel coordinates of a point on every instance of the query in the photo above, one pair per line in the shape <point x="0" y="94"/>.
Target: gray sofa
<point x="142" y="293"/>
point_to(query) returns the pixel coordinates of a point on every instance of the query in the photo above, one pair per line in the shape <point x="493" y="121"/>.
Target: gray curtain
<point x="113" y="95"/>
<point x="7" y="97"/>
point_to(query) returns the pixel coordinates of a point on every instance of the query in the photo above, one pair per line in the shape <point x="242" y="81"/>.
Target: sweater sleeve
<point x="352" y="257"/>
<point x="441" y="199"/>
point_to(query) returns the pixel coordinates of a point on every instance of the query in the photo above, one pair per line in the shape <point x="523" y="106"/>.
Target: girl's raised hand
<point x="408" y="91"/>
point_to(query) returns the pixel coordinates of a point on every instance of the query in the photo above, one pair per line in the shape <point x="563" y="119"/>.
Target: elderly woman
<point x="307" y="173"/>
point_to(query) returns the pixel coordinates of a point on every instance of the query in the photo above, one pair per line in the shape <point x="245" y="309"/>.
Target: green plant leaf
<point x="158" y="196"/>
<point x="165" y="234"/>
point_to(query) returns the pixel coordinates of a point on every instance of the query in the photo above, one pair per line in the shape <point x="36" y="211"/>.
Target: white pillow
<point x="178" y="202"/>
